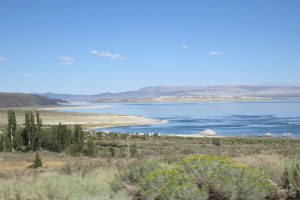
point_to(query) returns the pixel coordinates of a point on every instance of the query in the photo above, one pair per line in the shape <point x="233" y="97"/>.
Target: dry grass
<point x="273" y="165"/>
<point x="47" y="184"/>
<point x="89" y="178"/>
<point x="22" y="161"/>
<point x="13" y="166"/>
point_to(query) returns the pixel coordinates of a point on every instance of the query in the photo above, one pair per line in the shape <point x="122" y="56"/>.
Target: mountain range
<point x="216" y="91"/>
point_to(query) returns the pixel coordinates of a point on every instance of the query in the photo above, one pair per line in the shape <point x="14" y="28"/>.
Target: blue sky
<point x="94" y="46"/>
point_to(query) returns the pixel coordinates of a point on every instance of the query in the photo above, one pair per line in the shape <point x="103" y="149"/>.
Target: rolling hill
<point x="25" y="100"/>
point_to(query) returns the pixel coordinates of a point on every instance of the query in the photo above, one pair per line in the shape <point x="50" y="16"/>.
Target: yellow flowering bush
<point x="203" y="177"/>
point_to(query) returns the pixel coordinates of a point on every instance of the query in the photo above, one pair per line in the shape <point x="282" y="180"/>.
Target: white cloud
<point x="216" y="53"/>
<point x="28" y="75"/>
<point x="110" y="55"/>
<point x="184" y="46"/>
<point x="2" y="58"/>
<point x="94" y="52"/>
<point x="63" y="60"/>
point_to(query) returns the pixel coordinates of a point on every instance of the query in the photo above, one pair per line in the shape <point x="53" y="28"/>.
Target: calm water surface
<point x="226" y="118"/>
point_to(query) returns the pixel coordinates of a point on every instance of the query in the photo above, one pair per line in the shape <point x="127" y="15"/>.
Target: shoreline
<point x="139" y="120"/>
<point x="93" y="121"/>
<point x="74" y="106"/>
<point x="186" y="99"/>
<point x="228" y="136"/>
<point x="51" y="116"/>
<point x="207" y="136"/>
<point x="93" y="128"/>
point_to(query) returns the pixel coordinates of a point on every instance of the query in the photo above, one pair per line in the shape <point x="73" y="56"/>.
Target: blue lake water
<point x="226" y="118"/>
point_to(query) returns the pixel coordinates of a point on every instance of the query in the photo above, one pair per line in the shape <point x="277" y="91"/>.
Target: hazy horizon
<point x="258" y="84"/>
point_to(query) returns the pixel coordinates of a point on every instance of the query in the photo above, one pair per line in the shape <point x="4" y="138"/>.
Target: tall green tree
<point x="77" y="143"/>
<point x="64" y="136"/>
<point x="39" y="124"/>
<point x="32" y="130"/>
<point x="2" y="143"/>
<point x="78" y="134"/>
<point x="91" y="148"/>
<point x="55" y="144"/>
<point x="27" y="132"/>
<point x="11" y="128"/>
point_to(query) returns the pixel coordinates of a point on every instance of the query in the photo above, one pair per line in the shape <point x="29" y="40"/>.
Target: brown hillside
<point x="25" y="100"/>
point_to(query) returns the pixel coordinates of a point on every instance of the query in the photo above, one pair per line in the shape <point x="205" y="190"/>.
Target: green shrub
<point x="216" y="142"/>
<point x="130" y="180"/>
<point x="133" y="150"/>
<point x="112" y="151"/>
<point x="37" y="161"/>
<point x="291" y="179"/>
<point x="198" y="177"/>
<point x="172" y="184"/>
<point x="91" y="149"/>
<point x="75" y="149"/>
<point x="225" y="178"/>
<point x="81" y="169"/>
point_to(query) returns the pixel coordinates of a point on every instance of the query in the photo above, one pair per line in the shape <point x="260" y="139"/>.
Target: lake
<point x="226" y="118"/>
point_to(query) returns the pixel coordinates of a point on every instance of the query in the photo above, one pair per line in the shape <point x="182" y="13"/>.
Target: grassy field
<point x="72" y="178"/>
<point x="68" y="177"/>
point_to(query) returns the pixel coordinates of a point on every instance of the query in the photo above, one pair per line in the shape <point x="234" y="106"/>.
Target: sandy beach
<point x="50" y="116"/>
<point x="72" y="107"/>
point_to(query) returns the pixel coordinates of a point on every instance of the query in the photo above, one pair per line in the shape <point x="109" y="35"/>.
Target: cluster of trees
<point x="32" y="136"/>
<point x="61" y="137"/>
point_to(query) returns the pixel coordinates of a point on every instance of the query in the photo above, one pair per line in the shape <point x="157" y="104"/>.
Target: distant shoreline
<point x="195" y="135"/>
<point x="93" y="128"/>
<point x="184" y="99"/>
<point x="72" y="107"/>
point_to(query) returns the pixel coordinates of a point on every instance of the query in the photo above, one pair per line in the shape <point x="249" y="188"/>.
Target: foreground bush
<point x="37" y="161"/>
<point x="198" y="178"/>
<point x="225" y="178"/>
<point x="291" y="179"/>
<point x="131" y="179"/>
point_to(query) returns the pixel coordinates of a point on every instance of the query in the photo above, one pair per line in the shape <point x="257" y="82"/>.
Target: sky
<point x="95" y="46"/>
